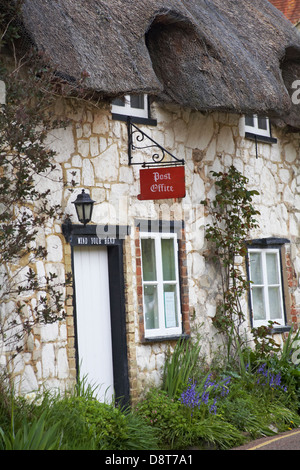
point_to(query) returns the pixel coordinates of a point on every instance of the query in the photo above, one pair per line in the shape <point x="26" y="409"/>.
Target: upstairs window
<point x="258" y="128"/>
<point x="266" y="289"/>
<point x="135" y="106"/>
<point x="257" y="125"/>
<point x="160" y="280"/>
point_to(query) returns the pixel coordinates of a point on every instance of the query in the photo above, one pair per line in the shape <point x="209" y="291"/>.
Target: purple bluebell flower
<point x="213" y="407"/>
<point x="190" y="397"/>
<point x="211" y="390"/>
<point x="224" y="387"/>
<point x="268" y="378"/>
<point x="205" y="397"/>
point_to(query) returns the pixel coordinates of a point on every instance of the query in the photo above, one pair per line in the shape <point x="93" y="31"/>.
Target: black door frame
<point x="78" y="235"/>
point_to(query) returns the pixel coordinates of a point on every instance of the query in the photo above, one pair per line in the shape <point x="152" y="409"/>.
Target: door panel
<point x="93" y="318"/>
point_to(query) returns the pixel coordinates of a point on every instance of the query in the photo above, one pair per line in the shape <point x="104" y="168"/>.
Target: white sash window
<point x="266" y="286"/>
<point x="160" y="278"/>
<point x="131" y="105"/>
<point x="257" y="125"/>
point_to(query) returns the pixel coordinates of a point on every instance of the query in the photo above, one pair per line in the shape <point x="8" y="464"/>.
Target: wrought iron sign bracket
<point x="137" y="140"/>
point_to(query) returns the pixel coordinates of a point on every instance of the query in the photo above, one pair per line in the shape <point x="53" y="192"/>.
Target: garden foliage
<point x="72" y="421"/>
<point x="223" y="410"/>
<point x="212" y="409"/>
<point x="232" y="217"/>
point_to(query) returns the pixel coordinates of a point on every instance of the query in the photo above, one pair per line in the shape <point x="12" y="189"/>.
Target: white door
<point x="93" y="318"/>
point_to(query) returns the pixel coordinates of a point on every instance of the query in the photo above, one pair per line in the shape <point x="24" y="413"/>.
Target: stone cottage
<point x="183" y="88"/>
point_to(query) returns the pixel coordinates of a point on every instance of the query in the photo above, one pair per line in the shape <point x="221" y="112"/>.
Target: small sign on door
<point x="162" y="183"/>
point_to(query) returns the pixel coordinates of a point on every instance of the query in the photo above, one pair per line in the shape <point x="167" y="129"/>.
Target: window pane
<point x="272" y="268"/>
<point x="275" y="303"/>
<point x="148" y="259"/>
<point x="170" y="303"/>
<point x="87" y="209"/>
<point x="168" y="260"/>
<point x="151" y="307"/>
<point x="259" y="312"/>
<point x="256" y="268"/>
<point x="137" y="101"/>
<point x="262" y="123"/>
<point x="249" y="121"/>
<point x="119" y="102"/>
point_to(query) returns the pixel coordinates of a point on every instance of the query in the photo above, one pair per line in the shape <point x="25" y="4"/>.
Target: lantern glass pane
<point x="79" y="210"/>
<point x="88" y="212"/>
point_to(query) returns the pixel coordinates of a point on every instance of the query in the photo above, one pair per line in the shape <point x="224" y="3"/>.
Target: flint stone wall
<point x="93" y="152"/>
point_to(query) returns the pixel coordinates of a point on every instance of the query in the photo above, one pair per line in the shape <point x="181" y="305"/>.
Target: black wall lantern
<point x="84" y="207"/>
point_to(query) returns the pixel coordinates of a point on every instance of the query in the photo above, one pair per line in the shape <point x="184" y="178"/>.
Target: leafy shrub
<point x="207" y="410"/>
<point x="260" y="403"/>
<point x="79" y="420"/>
<point x="179" y="429"/>
<point x="282" y="363"/>
<point x="163" y="413"/>
<point x="270" y="381"/>
<point x="87" y="423"/>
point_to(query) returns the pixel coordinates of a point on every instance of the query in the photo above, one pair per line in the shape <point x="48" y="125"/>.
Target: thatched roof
<point x="204" y="54"/>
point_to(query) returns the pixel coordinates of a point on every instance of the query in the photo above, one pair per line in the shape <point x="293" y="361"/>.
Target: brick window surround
<point x="183" y="276"/>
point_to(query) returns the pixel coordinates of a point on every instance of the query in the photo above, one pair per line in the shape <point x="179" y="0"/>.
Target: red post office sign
<point x="162" y="183"/>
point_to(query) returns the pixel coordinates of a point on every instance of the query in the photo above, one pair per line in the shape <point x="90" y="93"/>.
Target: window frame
<point x="265" y="285"/>
<point x="128" y="110"/>
<point x="255" y="129"/>
<point x="162" y="331"/>
<point x="137" y="116"/>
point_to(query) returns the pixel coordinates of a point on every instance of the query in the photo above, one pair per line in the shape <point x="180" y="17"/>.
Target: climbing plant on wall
<point x="232" y="217"/>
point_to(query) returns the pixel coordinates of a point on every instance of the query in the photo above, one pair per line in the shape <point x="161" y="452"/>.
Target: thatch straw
<point x="204" y="54"/>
